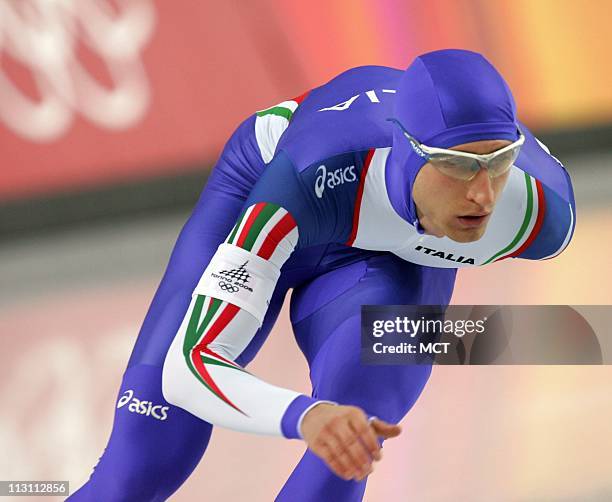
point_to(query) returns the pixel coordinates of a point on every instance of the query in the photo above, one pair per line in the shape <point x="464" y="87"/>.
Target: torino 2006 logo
<point x="234" y="280"/>
<point x="45" y="36"/>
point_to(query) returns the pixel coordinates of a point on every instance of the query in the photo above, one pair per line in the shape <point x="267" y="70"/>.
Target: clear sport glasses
<point x="463" y="165"/>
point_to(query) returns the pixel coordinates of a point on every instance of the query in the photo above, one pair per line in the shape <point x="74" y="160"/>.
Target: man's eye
<point x="448" y="163"/>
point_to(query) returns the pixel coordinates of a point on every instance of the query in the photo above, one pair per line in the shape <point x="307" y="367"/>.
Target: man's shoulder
<point x="347" y="114"/>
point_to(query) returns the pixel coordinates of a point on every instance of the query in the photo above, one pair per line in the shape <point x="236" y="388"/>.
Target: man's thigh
<point x="326" y="315"/>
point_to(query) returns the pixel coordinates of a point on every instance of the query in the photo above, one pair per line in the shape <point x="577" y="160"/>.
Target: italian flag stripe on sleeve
<point x="250" y="217"/>
<point x="260" y="230"/>
<point x="276" y="235"/>
<point x="301" y="97"/>
<point x="205" y="377"/>
<point x="235" y="229"/>
<point x="257" y="225"/>
<point x="217" y="316"/>
<point x="277" y="110"/>
<point x="262" y="227"/>
<point x="285" y="109"/>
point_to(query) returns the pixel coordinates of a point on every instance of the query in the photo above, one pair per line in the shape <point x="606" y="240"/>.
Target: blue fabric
<point x="289" y="424"/>
<point x="554" y="227"/>
<point x="316" y="135"/>
<point x="537" y="162"/>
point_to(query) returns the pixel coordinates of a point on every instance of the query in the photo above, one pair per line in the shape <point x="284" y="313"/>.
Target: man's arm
<point x="200" y="372"/>
<point x="553" y="198"/>
<point x="226" y="310"/>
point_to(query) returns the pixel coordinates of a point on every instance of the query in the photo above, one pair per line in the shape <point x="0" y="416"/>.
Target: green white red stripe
<point x="531" y="224"/>
<point x="284" y="109"/>
<point x="271" y="123"/>
<point x="217" y="315"/>
<point x="301" y="97"/>
<point x="262" y="227"/>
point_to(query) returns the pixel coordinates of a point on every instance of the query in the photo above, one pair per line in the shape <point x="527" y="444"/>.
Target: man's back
<point x="307" y="128"/>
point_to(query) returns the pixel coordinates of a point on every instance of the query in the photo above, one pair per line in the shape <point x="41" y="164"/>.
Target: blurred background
<point x="112" y="113"/>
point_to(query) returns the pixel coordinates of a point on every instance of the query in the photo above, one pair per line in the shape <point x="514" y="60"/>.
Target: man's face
<point x="456" y="208"/>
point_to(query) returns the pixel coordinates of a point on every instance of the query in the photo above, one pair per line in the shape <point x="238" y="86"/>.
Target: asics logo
<point x="332" y="179"/>
<point x="146" y="408"/>
<point x="226" y="286"/>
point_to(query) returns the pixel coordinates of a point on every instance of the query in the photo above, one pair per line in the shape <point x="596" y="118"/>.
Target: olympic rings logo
<point x="226" y="286"/>
<point x="45" y="39"/>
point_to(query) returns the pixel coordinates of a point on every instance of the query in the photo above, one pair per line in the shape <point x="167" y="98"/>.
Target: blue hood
<point x="445" y="98"/>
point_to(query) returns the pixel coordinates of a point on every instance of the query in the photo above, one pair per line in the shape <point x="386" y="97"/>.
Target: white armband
<point x="238" y="276"/>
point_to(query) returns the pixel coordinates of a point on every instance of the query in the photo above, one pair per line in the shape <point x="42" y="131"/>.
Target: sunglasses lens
<point x="462" y="168"/>
<point x="500" y="164"/>
<point x="465" y="168"/>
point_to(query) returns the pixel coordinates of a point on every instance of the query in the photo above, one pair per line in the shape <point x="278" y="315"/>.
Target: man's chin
<point x="464" y="235"/>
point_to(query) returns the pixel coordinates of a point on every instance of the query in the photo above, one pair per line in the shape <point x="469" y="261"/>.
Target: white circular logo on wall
<point x="43" y="37"/>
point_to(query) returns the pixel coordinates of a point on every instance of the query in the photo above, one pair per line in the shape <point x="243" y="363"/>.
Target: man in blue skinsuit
<point x="370" y="189"/>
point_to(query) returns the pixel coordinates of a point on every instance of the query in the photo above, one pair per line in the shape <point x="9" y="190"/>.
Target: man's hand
<point x="343" y="438"/>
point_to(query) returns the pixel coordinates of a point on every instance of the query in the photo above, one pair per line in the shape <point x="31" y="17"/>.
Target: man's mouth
<point x="473" y="220"/>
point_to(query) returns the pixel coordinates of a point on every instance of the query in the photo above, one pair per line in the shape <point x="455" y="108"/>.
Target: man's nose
<point x="480" y="189"/>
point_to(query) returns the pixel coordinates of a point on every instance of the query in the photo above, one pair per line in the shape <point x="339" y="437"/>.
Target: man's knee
<point x="387" y="391"/>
